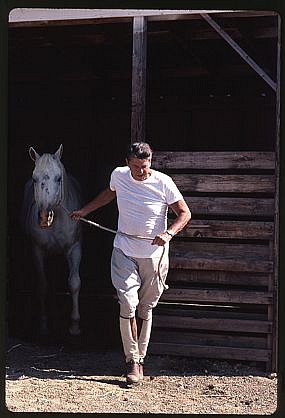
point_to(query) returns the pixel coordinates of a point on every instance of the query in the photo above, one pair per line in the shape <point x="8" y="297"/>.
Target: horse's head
<point x="48" y="184"/>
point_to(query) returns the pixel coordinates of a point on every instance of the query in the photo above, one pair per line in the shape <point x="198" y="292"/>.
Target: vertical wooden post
<point x="3" y="173"/>
<point x="138" y="80"/>
<point x="276" y="278"/>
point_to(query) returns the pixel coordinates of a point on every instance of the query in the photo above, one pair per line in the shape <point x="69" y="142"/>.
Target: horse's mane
<point x="74" y="191"/>
<point x="28" y="203"/>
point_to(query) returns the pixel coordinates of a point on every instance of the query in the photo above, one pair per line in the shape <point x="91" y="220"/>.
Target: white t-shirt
<point x="143" y="207"/>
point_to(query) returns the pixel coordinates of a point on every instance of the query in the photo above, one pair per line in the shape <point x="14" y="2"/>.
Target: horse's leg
<point x="73" y="258"/>
<point x="41" y="289"/>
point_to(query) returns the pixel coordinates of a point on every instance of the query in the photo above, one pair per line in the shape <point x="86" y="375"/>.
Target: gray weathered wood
<point x="229" y="353"/>
<point x="232" y="206"/>
<point x="225" y="183"/>
<point x="138" y="80"/>
<point x="228" y="278"/>
<point x="273" y="311"/>
<point x="208" y="323"/>
<point x="228" y="229"/>
<point x="220" y="256"/>
<point x="43" y="17"/>
<point x="223" y="249"/>
<point x="214" y="160"/>
<point x="208" y="338"/>
<point x="228" y="264"/>
<point x="208" y="261"/>
<point x="213" y="311"/>
<point x="217" y="296"/>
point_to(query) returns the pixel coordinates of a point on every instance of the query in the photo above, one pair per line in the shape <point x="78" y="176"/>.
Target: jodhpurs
<point x="138" y="288"/>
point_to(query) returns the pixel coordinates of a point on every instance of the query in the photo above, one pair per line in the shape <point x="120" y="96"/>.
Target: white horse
<point x="48" y="198"/>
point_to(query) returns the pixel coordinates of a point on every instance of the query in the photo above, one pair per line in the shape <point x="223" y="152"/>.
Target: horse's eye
<point x="58" y="179"/>
<point x="34" y="179"/>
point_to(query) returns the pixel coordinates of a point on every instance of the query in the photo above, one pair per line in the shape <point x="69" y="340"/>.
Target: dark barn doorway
<point x="69" y="85"/>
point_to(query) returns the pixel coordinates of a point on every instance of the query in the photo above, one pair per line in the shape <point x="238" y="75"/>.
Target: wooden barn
<point x="202" y="87"/>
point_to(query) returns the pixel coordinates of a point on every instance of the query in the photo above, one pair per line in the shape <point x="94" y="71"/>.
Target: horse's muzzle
<point x="46" y="218"/>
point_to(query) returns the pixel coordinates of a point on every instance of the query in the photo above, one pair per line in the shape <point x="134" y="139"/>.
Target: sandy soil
<point x="57" y="378"/>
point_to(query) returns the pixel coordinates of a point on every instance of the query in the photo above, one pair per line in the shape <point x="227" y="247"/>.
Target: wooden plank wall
<point x="219" y="304"/>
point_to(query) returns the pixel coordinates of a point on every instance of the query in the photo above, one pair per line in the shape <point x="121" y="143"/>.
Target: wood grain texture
<point x="227" y="183"/>
<point x="230" y="206"/>
<point x="214" y="160"/>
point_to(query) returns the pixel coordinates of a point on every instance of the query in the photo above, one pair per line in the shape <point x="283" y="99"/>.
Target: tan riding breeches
<point x="138" y="282"/>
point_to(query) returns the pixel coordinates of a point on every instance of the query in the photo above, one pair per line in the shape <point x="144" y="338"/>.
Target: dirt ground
<point x="58" y="378"/>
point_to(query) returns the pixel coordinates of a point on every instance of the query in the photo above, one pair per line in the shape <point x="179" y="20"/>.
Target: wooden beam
<point x="228" y="229"/>
<point x="231" y="206"/>
<point x="208" y="277"/>
<point x="214" y="160"/>
<point x="44" y="14"/>
<point x="138" y="80"/>
<point x="240" y="51"/>
<point x="26" y="17"/>
<point x="227" y="183"/>
<point x="229" y="353"/>
<point x="254" y="258"/>
<point x="273" y="313"/>
<point x="209" y="310"/>
<point x="207" y="338"/>
<point x="190" y="295"/>
<point x="206" y="323"/>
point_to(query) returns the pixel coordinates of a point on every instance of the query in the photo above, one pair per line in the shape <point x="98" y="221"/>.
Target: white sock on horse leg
<point x="144" y="336"/>
<point x="130" y="345"/>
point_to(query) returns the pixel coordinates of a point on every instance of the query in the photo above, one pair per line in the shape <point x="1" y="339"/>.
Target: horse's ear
<point x="59" y="151"/>
<point x="33" y="154"/>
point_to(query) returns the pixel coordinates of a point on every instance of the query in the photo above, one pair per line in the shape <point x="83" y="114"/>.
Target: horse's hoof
<point x="74" y="329"/>
<point x="74" y="333"/>
<point x="43" y="330"/>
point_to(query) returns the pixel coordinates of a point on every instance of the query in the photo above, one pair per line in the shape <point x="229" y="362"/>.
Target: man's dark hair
<point x="139" y="150"/>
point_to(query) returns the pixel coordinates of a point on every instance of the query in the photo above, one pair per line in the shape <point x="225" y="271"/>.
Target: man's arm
<point x="183" y="216"/>
<point x="102" y="199"/>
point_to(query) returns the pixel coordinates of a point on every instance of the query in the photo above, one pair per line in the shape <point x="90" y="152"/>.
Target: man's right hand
<point x="76" y="215"/>
<point x="103" y="198"/>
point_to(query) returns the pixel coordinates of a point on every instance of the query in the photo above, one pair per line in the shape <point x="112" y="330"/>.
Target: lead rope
<point x="128" y="235"/>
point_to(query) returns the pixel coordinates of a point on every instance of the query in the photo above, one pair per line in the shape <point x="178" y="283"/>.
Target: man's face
<point x="140" y="169"/>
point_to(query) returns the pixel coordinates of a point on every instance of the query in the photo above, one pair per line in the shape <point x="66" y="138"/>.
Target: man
<point x="139" y="262"/>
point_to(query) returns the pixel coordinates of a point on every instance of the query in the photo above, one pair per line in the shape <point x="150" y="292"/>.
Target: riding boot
<point x="128" y="330"/>
<point x="144" y="337"/>
<point x="133" y="372"/>
<point x="129" y="338"/>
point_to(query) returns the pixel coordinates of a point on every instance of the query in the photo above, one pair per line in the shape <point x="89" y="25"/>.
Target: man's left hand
<point x="161" y="239"/>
